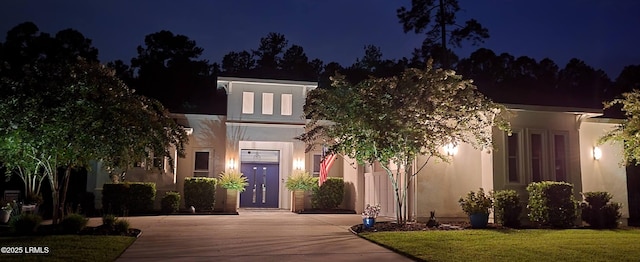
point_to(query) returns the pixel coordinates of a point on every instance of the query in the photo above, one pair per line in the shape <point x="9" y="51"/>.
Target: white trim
<point x="210" y="170"/>
<point x="279" y="125"/>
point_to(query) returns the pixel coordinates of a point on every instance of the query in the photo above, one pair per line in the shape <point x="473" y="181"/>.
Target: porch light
<point x="232" y="164"/>
<point x="450" y="149"/>
<point x="597" y="153"/>
<point x="298" y="164"/>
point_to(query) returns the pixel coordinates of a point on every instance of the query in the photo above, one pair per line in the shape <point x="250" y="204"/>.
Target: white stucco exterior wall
<point x="440" y="185"/>
<point x="606" y="174"/>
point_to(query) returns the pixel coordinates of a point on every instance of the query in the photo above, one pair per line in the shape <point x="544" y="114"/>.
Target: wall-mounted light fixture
<point x="450" y="149"/>
<point x="298" y="164"/>
<point x="597" y="153"/>
<point x="232" y="164"/>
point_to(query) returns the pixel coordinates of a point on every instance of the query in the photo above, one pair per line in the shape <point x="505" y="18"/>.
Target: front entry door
<point x="263" y="187"/>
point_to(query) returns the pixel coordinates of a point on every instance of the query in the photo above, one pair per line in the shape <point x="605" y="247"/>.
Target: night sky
<point x="603" y="33"/>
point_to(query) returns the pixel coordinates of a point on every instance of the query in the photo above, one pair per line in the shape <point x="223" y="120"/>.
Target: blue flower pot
<point x="479" y="220"/>
<point x="368" y="222"/>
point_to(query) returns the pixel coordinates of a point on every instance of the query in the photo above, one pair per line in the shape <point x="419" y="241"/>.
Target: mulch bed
<point x="327" y="211"/>
<point x="415" y="226"/>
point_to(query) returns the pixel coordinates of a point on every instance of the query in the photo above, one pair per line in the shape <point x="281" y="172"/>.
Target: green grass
<point x="515" y="245"/>
<point x="68" y="247"/>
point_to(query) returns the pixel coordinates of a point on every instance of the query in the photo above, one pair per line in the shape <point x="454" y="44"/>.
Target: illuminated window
<point x="267" y="103"/>
<point x="247" y="102"/>
<point x="286" y="104"/>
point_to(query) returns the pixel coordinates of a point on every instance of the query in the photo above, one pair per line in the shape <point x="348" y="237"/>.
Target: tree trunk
<point x="443" y="33"/>
<point x="65" y="181"/>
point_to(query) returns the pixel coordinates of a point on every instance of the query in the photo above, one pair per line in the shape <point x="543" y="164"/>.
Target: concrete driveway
<point x="254" y="235"/>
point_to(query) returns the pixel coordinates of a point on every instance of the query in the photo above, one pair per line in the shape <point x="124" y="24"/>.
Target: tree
<point x="169" y="69"/>
<point x="238" y="62"/>
<point x="626" y="133"/>
<point x="392" y="120"/>
<point x="274" y="58"/>
<point x="438" y="36"/>
<point x="577" y="79"/>
<point x="25" y="45"/>
<point x="270" y="50"/>
<point x="69" y="114"/>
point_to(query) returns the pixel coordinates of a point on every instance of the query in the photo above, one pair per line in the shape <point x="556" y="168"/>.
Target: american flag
<point x="325" y="165"/>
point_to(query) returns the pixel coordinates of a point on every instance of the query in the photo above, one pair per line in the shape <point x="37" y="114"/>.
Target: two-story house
<point x="257" y="138"/>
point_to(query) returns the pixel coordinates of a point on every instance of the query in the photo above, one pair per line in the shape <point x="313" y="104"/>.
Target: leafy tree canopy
<point x="628" y="132"/>
<point x="392" y="120"/>
<point x="66" y="115"/>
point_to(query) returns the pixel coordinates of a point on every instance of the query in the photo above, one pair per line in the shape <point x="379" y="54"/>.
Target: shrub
<point x="142" y="196"/>
<point x="301" y="181"/>
<point x="25" y="224"/>
<point x="73" y="223"/>
<point x="476" y="203"/>
<point x="128" y="197"/>
<point x="552" y="204"/>
<point x="170" y="202"/>
<point x="598" y="212"/>
<point x="121" y="226"/>
<point x="507" y="207"/>
<point x="200" y="192"/>
<point x="329" y="195"/>
<point x="109" y="220"/>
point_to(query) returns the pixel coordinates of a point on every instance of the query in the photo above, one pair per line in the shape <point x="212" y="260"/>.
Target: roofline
<point x="572" y="110"/>
<point x="267" y="81"/>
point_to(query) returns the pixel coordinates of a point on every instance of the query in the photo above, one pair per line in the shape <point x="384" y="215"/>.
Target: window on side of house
<point x="316" y="164"/>
<point x="267" y="103"/>
<point x="536" y="156"/>
<point x="247" y="102"/>
<point x="201" y="164"/>
<point x="286" y="104"/>
<point x="513" y="158"/>
<point x="560" y="156"/>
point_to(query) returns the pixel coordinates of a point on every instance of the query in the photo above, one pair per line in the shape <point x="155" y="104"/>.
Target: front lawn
<point x="514" y="245"/>
<point x="66" y="247"/>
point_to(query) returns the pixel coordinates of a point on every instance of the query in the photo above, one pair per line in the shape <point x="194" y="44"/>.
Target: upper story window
<point x="267" y="103"/>
<point x="286" y="104"/>
<point x="247" y="102"/>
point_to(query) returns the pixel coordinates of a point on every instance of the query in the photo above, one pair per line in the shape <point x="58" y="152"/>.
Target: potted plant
<point x="477" y="206"/>
<point x="298" y="184"/>
<point x="234" y="182"/>
<point x="369" y="215"/>
<point x="5" y="214"/>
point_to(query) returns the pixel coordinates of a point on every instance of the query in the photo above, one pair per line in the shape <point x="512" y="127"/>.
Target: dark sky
<point x="603" y="33"/>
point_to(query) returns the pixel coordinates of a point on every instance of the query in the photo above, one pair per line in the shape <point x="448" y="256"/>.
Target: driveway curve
<point x="253" y="235"/>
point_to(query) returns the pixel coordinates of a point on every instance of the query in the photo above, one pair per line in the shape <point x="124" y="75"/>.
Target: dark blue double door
<point x="263" y="188"/>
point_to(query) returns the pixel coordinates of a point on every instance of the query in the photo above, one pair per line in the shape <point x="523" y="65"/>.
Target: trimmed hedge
<point x="552" y="204"/>
<point x="329" y="195"/>
<point x="507" y="207"/>
<point x="170" y="202"/>
<point x="128" y="197"/>
<point x="598" y="212"/>
<point x="200" y="192"/>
